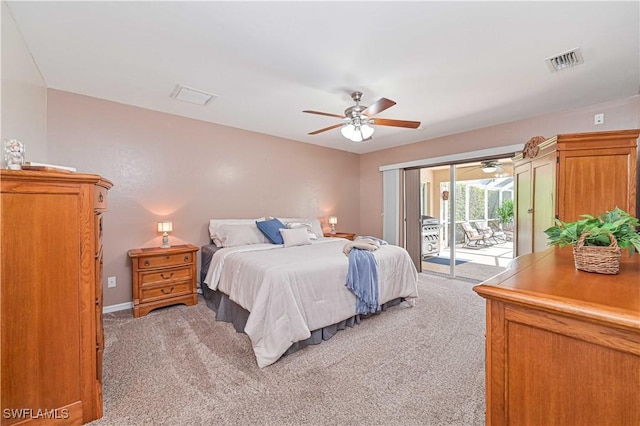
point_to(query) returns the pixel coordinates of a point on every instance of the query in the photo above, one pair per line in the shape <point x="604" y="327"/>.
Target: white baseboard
<point x="118" y="307"/>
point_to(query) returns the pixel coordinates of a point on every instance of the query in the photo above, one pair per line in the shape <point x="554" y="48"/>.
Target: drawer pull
<point x="147" y="263"/>
<point x="186" y="258"/>
<point x="166" y="278"/>
<point x="100" y="197"/>
<point x="167" y="292"/>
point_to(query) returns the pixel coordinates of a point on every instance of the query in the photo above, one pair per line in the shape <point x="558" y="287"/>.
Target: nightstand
<point x="163" y="277"/>
<point x="347" y="235"/>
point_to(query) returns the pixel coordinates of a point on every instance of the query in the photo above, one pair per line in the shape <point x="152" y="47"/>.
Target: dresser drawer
<point x="165" y="276"/>
<point x="98" y="233"/>
<point x="100" y="202"/>
<point x="165" y="291"/>
<point x="147" y="262"/>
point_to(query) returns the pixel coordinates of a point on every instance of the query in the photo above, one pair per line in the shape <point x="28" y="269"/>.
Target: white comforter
<point x="291" y="291"/>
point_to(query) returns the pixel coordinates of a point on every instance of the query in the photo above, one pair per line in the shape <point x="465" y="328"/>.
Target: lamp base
<point x="165" y="241"/>
<point x="333" y="229"/>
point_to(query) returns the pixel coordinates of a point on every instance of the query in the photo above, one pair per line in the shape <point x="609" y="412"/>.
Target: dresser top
<point x="160" y="251"/>
<point x="49" y="176"/>
<point x="549" y="280"/>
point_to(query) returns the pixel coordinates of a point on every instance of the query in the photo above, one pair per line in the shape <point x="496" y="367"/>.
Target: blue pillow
<point x="271" y="230"/>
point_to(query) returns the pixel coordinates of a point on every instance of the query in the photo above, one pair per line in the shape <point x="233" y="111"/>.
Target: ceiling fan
<point x="491" y="166"/>
<point x="357" y="119"/>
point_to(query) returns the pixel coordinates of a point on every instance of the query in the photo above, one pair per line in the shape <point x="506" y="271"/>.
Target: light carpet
<point x="421" y="365"/>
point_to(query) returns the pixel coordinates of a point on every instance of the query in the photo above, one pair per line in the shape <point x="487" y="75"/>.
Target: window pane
<point x="461" y="202"/>
<point x="494" y="202"/>
<point x="476" y="203"/>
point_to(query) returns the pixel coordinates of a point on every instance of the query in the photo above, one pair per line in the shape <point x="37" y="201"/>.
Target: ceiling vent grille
<point x="195" y="96"/>
<point x="565" y="60"/>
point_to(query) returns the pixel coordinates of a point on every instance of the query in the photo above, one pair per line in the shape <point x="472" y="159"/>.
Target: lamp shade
<point x="333" y="220"/>
<point x="367" y="131"/>
<point x="165" y="226"/>
<point x="348" y="130"/>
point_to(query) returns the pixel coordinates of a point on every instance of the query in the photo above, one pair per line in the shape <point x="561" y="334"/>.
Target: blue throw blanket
<point x="362" y="280"/>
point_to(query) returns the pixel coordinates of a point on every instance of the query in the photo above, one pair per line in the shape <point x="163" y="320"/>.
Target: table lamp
<point x="165" y="228"/>
<point x="333" y="221"/>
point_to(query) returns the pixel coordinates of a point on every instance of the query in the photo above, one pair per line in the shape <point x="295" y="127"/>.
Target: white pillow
<point x="231" y="235"/>
<point x="214" y="224"/>
<point x="305" y="225"/>
<point x="316" y="228"/>
<point x="295" y="237"/>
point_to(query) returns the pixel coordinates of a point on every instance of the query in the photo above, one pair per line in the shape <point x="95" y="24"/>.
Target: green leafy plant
<point x="505" y="211"/>
<point x="617" y="222"/>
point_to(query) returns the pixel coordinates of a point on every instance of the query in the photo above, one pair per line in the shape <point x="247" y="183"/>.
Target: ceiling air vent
<point x="565" y="60"/>
<point x="195" y="96"/>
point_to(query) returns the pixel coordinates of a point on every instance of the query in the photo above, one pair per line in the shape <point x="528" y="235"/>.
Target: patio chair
<point x="498" y="234"/>
<point x="473" y="238"/>
<point x="489" y="237"/>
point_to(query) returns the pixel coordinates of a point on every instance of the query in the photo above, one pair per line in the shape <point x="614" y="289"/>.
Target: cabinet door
<point x="523" y="209"/>
<point x="41" y="299"/>
<point x="543" y="177"/>
<point x="596" y="180"/>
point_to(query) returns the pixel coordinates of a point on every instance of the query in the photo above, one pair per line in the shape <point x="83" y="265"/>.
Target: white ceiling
<point x="454" y="66"/>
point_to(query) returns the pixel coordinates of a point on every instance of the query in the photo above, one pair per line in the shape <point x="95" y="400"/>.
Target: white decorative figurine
<point x="14" y="154"/>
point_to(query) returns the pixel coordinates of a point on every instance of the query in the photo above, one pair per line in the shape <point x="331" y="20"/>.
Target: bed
<point x="287" y="296"/>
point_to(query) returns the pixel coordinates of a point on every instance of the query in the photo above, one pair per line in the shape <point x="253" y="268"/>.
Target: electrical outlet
<point x="111" y="282"/>
<point x="598" y="119"/>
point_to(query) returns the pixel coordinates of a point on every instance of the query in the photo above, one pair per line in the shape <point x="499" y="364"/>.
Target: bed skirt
<point x="229" y="311"/>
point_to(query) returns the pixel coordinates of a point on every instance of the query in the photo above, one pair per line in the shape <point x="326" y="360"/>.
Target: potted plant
<point x="505" y="212"/>
<point x="597" y="241"/>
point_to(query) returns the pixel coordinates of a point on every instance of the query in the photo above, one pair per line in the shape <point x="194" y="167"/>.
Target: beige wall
<point x="189" y="171"/>
<point x="24" y="95"/>
<point x="619" y="114"/>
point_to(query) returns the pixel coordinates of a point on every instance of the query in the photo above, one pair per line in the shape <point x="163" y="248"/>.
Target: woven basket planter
<point x="598" y="259"/>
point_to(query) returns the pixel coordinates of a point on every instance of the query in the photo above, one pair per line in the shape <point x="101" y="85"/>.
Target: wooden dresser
<point x="51" y="297"/>
<point x="163" y="277"/>
<point x="563" y="346"/>
<point x="569" y="175"/>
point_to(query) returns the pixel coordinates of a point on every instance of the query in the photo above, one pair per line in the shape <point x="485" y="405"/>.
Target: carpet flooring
<point x="421" y="365"/>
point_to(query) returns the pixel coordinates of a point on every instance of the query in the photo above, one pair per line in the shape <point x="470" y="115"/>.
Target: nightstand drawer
<point x="155" y="261"/>
<point x="164" y="276"/>
<point x="165" y="291"/>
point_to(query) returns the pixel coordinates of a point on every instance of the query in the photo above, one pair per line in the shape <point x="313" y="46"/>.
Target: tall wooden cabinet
<point x="569" y="175"/>
<point x="51" y="296"/>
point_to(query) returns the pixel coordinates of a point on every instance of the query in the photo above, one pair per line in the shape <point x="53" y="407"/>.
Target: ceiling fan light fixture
<point x="357" y="132"/>
<point x="489" y="169"/>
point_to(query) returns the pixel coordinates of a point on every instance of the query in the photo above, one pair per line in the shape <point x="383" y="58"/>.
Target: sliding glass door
<point x="462" y="216"/>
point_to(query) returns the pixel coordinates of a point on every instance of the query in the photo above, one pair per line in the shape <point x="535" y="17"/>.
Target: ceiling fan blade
<point x="326" y="128"/>
<point x="377" y="107"/>
<point x="396" y="123"/>
<point x="328" y="114"/>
